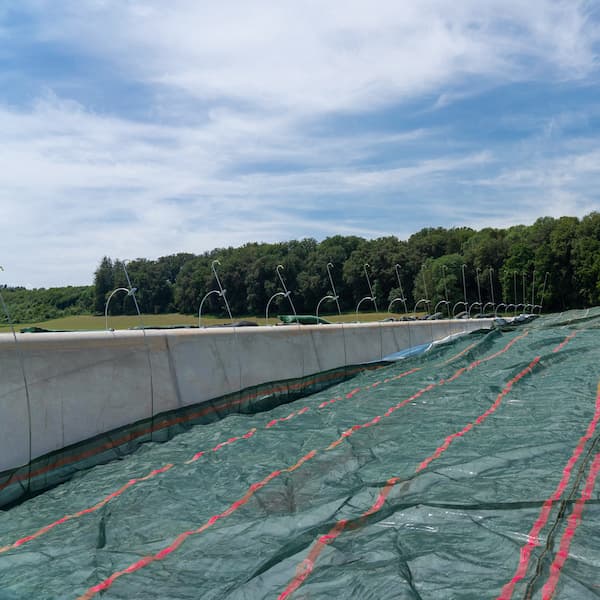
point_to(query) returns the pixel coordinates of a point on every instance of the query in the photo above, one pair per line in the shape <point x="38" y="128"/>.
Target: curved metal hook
<point x="403" y="300"/>
<point x="372" y="297"/>
<point x="442" y="302"/>
<point x="287" y="294"/>
<point x="363" y="300"/>
<point x="543" y="292"/>
<point x="498" y="308"/>
<point x="425" y="301"/>
<point x="402" y="295"/>
<point x="425" y="287"/>
<point x="202" y="302"/>
<point x="397" y="268"/>
<point x="275" y="295"/>
<point x="278" y="270"/>
<point x="460" y="303"/>
<point x="477" y="272"/>
<point x="129" y="292"/>
<point x="335" y="294"/>
<point x="222" y="292"/>
<point x="132" y="292"/>
<point x="124" y="265"/>
<point x="328" y="297"/>
<point x="463" y="267"/>
<point x="486" y="305"/>
<point x="471" y="308"/>
<point x="444" y="270"/>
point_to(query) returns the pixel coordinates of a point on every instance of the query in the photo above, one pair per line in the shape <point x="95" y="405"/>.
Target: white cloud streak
<point x="243" y="156"/>
<point x="308" y="57"/>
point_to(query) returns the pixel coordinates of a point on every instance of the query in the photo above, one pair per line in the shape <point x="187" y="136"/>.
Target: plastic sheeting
<point x="470" y="471"/>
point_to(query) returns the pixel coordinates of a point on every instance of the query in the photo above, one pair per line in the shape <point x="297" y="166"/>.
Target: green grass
<point x="94" y="323"/>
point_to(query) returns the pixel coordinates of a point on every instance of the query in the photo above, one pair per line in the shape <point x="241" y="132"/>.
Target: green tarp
<point x="303" y="319"/>
<point x="471" y="471"/>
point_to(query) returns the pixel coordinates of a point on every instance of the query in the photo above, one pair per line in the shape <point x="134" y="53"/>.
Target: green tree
<point x="104" y="280"/>
<point x="586" y="260"/>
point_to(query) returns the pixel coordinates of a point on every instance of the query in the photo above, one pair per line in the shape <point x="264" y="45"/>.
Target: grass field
<point x="94" y="323"/>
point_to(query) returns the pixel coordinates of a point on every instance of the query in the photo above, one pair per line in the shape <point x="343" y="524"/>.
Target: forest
<point x="502" y="265"/>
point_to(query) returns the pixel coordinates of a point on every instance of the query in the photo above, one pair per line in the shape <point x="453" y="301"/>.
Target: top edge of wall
<point x="54" y="337"/>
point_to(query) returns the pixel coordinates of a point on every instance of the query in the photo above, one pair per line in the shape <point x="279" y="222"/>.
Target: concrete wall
<point x="84" y="384"/>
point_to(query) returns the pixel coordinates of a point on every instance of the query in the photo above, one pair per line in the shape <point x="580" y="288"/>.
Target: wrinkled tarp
<point x="444" y="475"/>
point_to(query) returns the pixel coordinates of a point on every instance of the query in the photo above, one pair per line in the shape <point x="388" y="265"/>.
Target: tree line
<point x="41" y="304"/>
<point x="504" y="265"/>
<point x="508" y="265"/>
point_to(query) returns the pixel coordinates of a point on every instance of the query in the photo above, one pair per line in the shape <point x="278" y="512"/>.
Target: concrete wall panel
<point x="363" y="342"/>
<point x="79" y="388"/>
<point x="87" y="383"/>
<point x="395" y="337"/>
<point x="325" y="348"/>
<point x="206" y="364"/>
<point x="14" y="420"/>
<point x="421" y="332"/>
<point x="271" y="353"/>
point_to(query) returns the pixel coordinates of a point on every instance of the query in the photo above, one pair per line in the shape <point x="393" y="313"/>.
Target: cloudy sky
<point x="143" y="128"/>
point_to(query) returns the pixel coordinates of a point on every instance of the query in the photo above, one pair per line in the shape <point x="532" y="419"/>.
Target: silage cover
<point x="445" y="475"/>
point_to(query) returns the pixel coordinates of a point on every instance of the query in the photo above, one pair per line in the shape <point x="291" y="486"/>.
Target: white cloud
<point x="423" y="170"/>
<point x="77" y="184"/>
<point x="308" y="57"/>
<point x="567" y="170"/>
<point x="81" y="185"/>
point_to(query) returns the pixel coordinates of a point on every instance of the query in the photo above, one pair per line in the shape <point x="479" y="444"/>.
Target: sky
<point x="145" y="128"/>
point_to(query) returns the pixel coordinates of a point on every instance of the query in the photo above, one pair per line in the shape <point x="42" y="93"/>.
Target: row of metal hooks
<point x="467" y="312"/>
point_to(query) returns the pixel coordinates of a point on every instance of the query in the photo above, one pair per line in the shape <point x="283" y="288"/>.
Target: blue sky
<point x="143" y="128"/>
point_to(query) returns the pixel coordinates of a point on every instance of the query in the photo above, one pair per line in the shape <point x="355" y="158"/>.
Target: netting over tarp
<point x="468" y="472"/>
